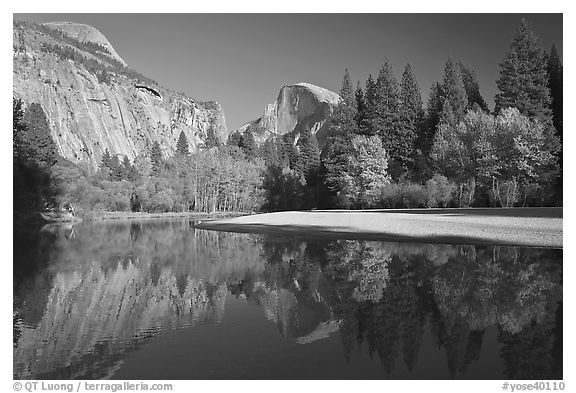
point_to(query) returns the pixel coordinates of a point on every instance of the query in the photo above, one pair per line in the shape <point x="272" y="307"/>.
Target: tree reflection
<point x="386" y="294"/>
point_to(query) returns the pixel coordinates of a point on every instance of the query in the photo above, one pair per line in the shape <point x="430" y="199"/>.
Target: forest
<point x="385" y="149"/>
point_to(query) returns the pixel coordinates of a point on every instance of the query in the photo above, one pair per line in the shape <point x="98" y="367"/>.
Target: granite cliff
<point x="297" y="107"/>
<point x="94" y="102"/>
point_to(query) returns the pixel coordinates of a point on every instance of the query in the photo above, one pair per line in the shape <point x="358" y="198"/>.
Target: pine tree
<point x="248" y="145"/>
<point x="434" y="110"/>
<point x="475" y="99"/>
<point x="269" y="152"/>
<point x="128" y="171"/>
<point x="447" y="115"/>
<point x="36" y="136"/>
<point x="554" y="68"/>
<point x="523" y="81"/>
<point x="426" y="130"/>
<point x="211" y="140"/>
<point x="182" y="145"/>
<point x="411" y="113"/>
<point x="386" y="105"/>
<point x="309" y="154"/>
<point x="410" y="96"/>
<point x="234" y="139"/>
<point x="342" y="128"/>
<point x="285" y="149"/>
<point x="156" y="158"/>
<point x="370" y="106"/>
<point x="106" y="158"/>
<point x="346" y="93"/>
<point x="387" y="121"/>
<point x="116" y="170"/>
<point x="18" y="130"/>
<point x="361" y="114"/>
<point x="34" y="151"/>
<point x="556" y="89"/>
<point x="453" y="91"/>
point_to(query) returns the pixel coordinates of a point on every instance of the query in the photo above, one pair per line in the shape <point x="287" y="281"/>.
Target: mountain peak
<point x="321" y="93"/>
<point x="85" y="33"/>
<point x="298" y="107"/>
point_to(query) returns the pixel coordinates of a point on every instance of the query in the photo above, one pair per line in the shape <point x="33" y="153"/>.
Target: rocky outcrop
<point x="298" y="107"/>
<point x="89" y="113"/>
<point x="85" y="33"/>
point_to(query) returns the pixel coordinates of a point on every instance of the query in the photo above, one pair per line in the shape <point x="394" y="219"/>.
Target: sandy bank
<point x="531" y="227"/>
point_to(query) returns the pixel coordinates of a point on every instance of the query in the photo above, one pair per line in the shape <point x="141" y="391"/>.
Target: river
<point x="160" y="299"/>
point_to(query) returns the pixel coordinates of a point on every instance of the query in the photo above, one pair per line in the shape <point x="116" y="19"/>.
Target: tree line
<point x="210" y="180"/>
<point x="215" y="178"/>
<point x="387" y="150"/>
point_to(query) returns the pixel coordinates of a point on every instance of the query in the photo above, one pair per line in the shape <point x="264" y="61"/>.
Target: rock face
<point x="297" y="107"/>
<point x="85" y="33"/>
<point x="89" y="114"/>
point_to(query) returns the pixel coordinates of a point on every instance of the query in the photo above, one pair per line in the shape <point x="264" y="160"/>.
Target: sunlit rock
<point x="88" y="115"/>
<point x="298" y="107"/>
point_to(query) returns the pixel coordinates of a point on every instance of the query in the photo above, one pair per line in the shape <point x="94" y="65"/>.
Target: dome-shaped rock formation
<point x="298" y="107"/>
<point x="85" y="33"/>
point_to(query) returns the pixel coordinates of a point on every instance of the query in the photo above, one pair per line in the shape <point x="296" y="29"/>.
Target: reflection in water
<point x="87" y="296"/>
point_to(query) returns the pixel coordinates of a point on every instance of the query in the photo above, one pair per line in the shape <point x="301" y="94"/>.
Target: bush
<point x="439" y="191"/>
<point x="405" y="195"/>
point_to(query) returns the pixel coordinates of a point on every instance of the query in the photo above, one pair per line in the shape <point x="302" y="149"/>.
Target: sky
<point x="242" y="60"/>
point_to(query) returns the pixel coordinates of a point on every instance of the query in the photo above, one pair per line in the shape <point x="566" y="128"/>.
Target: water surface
<point x="163" y="300"/>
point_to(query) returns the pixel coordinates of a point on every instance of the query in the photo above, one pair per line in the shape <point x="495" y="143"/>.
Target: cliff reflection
<point x="83" y="300"/>
<point x="112" y="286"/>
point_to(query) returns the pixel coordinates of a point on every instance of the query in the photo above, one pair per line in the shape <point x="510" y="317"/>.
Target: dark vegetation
<point x="34" y="155"/>
<point x="384" y="150"/>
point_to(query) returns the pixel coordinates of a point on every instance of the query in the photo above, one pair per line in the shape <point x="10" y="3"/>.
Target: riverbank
<point x="98" y="216"/>
<point x="527" y="227"/>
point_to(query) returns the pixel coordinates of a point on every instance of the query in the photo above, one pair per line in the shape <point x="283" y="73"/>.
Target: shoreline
<point x="521" y="227"/>
<point x="102" y="216"/>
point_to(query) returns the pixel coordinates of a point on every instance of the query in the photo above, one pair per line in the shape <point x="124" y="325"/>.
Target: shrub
<point x="439" y="191"/>
<point x="404" y="195"/>
<point x="162" y="201"/>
